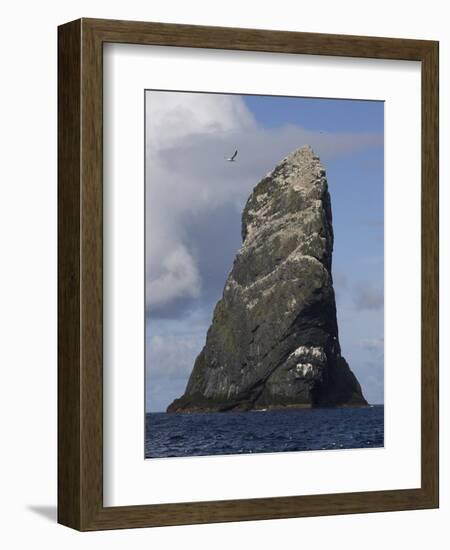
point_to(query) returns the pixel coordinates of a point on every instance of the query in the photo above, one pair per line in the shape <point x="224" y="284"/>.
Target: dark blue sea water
<point x="198" y="434"/>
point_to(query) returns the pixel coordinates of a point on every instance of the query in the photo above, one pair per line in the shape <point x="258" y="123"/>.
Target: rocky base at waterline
<point x="273" y="342"/>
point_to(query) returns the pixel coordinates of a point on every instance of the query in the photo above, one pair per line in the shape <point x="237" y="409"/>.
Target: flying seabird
<point x="232" y="158"/>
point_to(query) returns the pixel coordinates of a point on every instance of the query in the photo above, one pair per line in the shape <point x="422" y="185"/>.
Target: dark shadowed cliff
<point x="273" y="341"/>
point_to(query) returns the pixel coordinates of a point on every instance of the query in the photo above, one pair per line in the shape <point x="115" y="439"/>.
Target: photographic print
<point x="264" y="274"/>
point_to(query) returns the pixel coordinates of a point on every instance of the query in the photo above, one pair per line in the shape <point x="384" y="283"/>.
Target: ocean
<point x="203" y="434"/>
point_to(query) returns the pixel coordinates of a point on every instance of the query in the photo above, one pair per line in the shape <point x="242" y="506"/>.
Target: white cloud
<point x="174" y="116"/>
<point x="169" y="361"/>
<point x="177" y="277"/>
<point x="368" y="296"/>
<point x="375" y="345"/>
<point x="171" y="355"/>
<point x="175" y="191"/>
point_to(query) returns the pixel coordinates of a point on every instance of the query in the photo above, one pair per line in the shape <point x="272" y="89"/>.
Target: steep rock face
<point x="273" y="342"/>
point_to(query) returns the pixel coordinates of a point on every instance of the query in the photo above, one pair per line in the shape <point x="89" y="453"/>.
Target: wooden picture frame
<point x="80" y="272"/>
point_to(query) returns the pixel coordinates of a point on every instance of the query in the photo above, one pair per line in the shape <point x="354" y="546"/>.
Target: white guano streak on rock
<point x="304" y="368"/>
<point x="309" y="351"/>
<point x="295" y="255"/>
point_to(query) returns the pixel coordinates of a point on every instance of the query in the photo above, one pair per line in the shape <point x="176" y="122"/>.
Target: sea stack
<point x="273" y="342"/>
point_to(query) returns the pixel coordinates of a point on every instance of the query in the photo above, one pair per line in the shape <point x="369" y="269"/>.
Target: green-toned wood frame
<point x="80" y="274"/>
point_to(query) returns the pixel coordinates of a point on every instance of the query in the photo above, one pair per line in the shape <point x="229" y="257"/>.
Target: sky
<point x="194" y="202"/>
